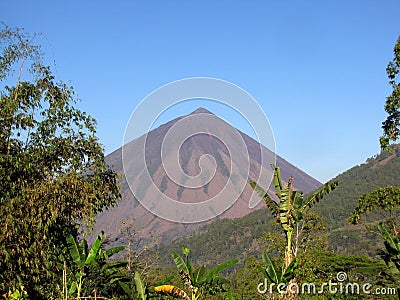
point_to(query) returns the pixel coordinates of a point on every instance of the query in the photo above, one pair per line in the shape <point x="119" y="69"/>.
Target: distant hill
<point x="111" y="221"/>
<point x="378" y="171"/>
<point x="238" y="238"/>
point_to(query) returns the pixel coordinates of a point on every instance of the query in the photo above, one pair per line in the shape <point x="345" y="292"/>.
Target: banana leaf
<point x="180" y="263"/>
<point x="218" y="269"/>
<point x="141" y="289"/>
<point x="94" y="250"/>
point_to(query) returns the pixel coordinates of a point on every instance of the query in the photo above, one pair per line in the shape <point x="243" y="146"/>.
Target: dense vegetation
<point x="53" y="175"/>
<point x="54" y="180"/>
<point x="380" y="170"/>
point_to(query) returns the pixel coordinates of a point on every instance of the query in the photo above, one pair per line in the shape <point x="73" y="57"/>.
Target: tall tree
<point x="290" y="212"/>
<point x="53" y="176"/>
<point x="292" y="207"/>
<point x="391" y="126"/>
<point x="387" y="199"/>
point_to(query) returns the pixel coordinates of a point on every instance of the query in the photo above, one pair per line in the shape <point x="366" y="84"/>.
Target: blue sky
<point x="317" y="68"/>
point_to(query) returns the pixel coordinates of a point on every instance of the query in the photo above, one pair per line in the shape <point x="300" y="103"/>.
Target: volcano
<point x="190" y="169"/>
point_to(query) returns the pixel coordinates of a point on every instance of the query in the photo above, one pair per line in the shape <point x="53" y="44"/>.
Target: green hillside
<point x="378" y="171"/>
<point x="223" y="238"/>
<point x="239" y="238"/>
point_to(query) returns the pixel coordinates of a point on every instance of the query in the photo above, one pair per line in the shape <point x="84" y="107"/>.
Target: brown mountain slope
<point x="216" y="143"/>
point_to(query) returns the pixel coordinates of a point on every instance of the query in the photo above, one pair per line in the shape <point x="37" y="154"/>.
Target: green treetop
<point x="53" y="176"/>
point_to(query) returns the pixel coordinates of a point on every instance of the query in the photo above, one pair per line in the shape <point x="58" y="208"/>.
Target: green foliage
<point x="88" y="268"/>
<point x="319" y="266"/>
<point x="290" y="213"/>
<point x="16" y="294"/>
<point x="244" y="282"/>
<point x="214" y="243"/>
<point x="200" y="281"/>
<point x="291" y="209"/>
<point x="391" y="126"/>
<point x="276" y="275"/>
<point x="392" y="254"/>
<point x="140" y="292"/>
<point x="53" y="175"/>
<point x="230" y="295"/>
<point x="17" y="46"/>
<point x="386" y="199"/>
<point x="378" y="171"/>
<point x="140" y="287"/>
<point x="292" y="205"/>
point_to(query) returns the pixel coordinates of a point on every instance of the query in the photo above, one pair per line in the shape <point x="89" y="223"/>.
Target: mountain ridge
<point x="190" y="152"/>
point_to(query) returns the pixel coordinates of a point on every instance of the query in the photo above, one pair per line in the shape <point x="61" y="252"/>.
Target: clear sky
<point x="317" y="68"/>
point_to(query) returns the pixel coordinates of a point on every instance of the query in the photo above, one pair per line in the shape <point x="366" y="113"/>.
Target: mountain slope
<point x="238" y="238"/>
<point x="377" y="171"/>
<point x="229" y="166"/>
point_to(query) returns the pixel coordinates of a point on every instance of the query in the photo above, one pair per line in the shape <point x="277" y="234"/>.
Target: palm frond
<point x="320" y="193"/>
<point x="271" y="204"/>
<point x="277" y="180"/>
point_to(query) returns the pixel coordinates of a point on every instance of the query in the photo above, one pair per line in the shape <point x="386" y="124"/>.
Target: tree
<point x="292" y="207"/>
<point x="290" y="213"/>
<point x="53" y="176"/>
<point x="391" y="126"/>
<point x="387" y="202"/>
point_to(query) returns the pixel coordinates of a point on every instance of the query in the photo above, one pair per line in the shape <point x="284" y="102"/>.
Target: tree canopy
<point x="391" y="126"/>
<point x="53" y="176"/>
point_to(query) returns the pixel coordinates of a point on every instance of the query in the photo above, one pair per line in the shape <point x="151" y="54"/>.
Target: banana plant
<point x="273" y="274"/>
<point x="199" y="282"/>
<point x="289" y="212"/>
<point x="83" y="257"/>
<point x="141" y="289"/>
<point x="292" y="206"/>
<point x="137" y="289"/>
<point x="392" y="254"/>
